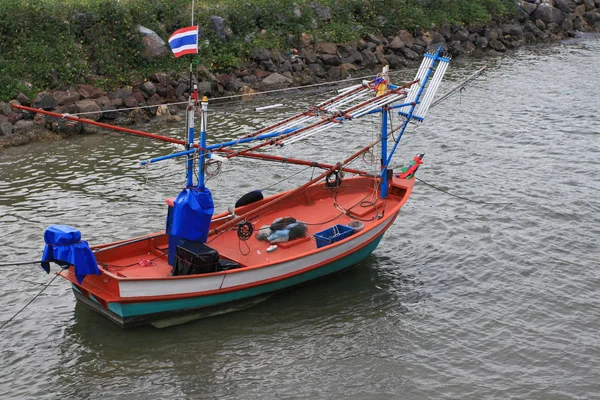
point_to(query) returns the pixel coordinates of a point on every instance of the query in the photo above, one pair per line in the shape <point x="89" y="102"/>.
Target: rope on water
<point x="30" y="301"/>
<point x="460" y="197"/>
<point x="10" y="264"/>
<point x="287" y="177"/>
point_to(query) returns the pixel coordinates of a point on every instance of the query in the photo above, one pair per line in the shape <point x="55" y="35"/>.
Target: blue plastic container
<point x="333" y="234"/>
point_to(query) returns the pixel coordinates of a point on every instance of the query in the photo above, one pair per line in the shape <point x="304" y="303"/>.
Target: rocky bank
<point x="165" y="94"/>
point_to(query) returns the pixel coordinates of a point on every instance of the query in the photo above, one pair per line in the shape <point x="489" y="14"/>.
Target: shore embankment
<point x="165" y="93"/>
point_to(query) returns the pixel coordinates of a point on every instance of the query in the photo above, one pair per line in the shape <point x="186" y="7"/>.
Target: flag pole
<point x="190" y="122"/>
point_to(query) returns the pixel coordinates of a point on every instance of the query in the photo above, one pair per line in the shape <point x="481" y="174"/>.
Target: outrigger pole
<point x="135" y="132"/>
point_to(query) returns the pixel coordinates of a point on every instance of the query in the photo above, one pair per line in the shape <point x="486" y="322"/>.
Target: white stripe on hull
<point x="143" y="288"/>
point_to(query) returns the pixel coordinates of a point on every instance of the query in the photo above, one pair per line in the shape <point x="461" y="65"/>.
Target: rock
<point x="161" y="78"/>
<point x="541" y="25"/>
<point x="284" y="66"/>
<point x="548" y="14"/>
<point x="67" y="127"/>
<point x="394" y="61"/>
<point x="5" y="109"/>
<point x="406" y="38"/>
<point x="39" y="119"/>
<point x="455" y="48"/>
<point x="515" y="31"/>
<point x="154" y="100"/>
<point x="381" y="58"/>
<point x="141" y="99"/>
<point x="268" y="66"/>
<point x="481" y="42"/>
<point x="204" y="88"/>
<point x="65" y="98"/>
<point x="304" y="40"/>
<point x="261" y="74"/>
<point x="396" y="44"/>
<point x="276" y="80"/>
<point x="592" y="18"/>
<point x="326" y="48"/>
<point x="217" y="24"/>
<point x="123" y="94"/>
<point x="308" y="55"/>
<point x="468" y="47"/>
<point x="497" y="45"/>
<point x="566" y="6"/>
<point x="45" y="101"/>
<point x="317" y="69"/>
<point x="261" y="55"/>
<point x="23" y="99"/>
<point x="433" y="37"/>
<point x="139" y="116"/>
<point x="322" y="12"/>
<point x="23" y="126"/>
<point x="14" y="116"/>
<point x="109" y="112"/>
<point x="335" y="74"/>
<point x="589" y="5"/>
<point x="181" y="88"/>
<point x="89" y="92"/>
<point x="553" y="27"/>
<point x="173" y="118"/>
<point x="154" y="47"/>
<point x="247" y="93"/>
<point x="6" y="128"/>
<point x="567" y="25"/>
<point x="529" y="8"/>
<point x="373" y="39"/>
<point x="332" y="60"/>
<point x="68" y="109"/>
<point x="369" y="59"/>
<point x="410" y="54"/>
<point x="148" y="88"/>
<point x="462" y="35"/>
<point x="297" y="12"/>
<point x="91" y="107"/>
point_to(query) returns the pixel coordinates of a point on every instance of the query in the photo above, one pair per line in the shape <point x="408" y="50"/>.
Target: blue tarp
<point x="192" y="212"/>
<point x="64" y="245"/>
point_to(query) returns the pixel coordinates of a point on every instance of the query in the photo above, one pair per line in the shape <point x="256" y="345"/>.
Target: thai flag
<point x="184" y="41"/>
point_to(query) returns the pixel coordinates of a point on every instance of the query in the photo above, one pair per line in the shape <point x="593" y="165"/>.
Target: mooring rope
<point x="20" y="263"/>
<point x="460" y="197"/>
<point x="30" y="301"/>
<point x="247" y="95"/>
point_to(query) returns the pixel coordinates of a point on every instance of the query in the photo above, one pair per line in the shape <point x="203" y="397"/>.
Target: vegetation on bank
<point x="48" y="43"/>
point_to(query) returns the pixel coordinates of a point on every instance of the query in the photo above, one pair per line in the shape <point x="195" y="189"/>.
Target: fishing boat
<point x="262" y="245"/>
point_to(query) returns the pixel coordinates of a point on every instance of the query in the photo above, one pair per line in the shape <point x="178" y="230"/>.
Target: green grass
<point x="49" y="42"/>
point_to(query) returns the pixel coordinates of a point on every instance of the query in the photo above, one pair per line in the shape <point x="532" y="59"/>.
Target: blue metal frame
<point x="388" y="158"/>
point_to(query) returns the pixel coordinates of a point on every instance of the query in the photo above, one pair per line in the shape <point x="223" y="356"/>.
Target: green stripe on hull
<point x="144" y="308"/>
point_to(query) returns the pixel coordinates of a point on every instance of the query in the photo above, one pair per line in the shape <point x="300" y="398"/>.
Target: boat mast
<point x="189" y="125"/>
<point x="384" y="135"/>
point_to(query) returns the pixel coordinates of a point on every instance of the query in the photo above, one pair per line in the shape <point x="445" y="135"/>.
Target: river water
<point x="462" y="300"/>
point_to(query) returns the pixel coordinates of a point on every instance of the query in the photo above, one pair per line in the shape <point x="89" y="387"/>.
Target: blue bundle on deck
<point x="192" y="213"/>
<point x="65" y="247"/>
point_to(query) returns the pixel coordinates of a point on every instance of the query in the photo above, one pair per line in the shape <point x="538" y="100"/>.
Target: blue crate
<point x="332" y="235"/>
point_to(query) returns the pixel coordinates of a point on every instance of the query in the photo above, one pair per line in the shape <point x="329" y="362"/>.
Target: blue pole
<point x="384" y="138"/>
<point x="202" y="155"/>
<point x="219" y="146"/>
